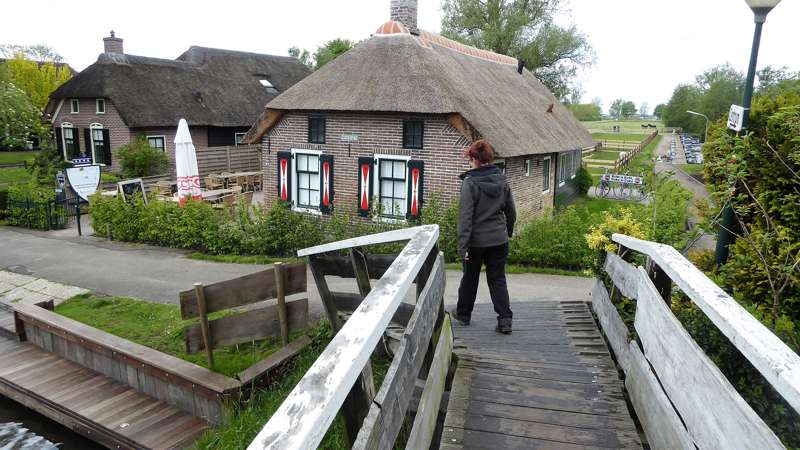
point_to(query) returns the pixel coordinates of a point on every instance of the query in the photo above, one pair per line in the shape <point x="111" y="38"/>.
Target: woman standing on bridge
<point x="485" y="222"/>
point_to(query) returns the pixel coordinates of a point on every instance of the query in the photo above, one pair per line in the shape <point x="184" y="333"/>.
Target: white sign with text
<point x="84" y="180"/>
<point x="735" y="118"/>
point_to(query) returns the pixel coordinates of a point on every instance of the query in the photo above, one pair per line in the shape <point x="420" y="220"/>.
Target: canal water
<point x="42" y="433"/>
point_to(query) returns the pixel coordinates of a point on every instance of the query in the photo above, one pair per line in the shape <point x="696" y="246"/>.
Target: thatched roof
<point x="395" y="71"/>
<point x="205" y="86"/>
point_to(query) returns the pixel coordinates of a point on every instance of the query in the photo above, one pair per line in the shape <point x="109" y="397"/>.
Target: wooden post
<point x="361" y="271"/>
<point x="279" y="294"/>
<point x="324" y="293"/>
<point x="228" y="156"/>
<point x="200" y="290"/>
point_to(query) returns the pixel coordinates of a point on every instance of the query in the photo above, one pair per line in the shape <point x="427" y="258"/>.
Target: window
<point x="573" y="163"/>
<point x="269" y="86"/>
<point x="562" y="168"/>
<point x="75" y="106"/>
<point x="158" y="142"/>
<point x="412" y="133"/>
<point x="316" y="130"/>
<point x="100" y="106"/>
<point x="69" y="139"/>
<point x="98" y="142"/>
<point x="527" y="167"/>
<point x="238" y="138"/>
<point x="546" y="174"/>
<point x="392" y="187"/>
<point x="307" y="176"/>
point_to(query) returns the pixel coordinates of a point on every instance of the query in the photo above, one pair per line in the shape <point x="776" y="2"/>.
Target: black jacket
<point x="487" y="213"/>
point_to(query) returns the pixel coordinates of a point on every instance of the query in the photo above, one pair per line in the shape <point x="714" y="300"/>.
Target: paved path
<point x="158" y="274"/>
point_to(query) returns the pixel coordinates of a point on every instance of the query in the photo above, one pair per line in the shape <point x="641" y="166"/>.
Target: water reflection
<point x="15" y="417"/>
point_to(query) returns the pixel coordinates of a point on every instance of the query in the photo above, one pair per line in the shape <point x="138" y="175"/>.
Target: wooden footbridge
<point x="571" y="376"/>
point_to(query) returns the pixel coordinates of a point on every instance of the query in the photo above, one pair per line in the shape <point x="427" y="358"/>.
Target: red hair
<point x="481" y="151"/>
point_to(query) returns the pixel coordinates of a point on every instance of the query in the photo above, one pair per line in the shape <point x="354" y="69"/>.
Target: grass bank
<point x="243" y="259"/>
<point x="17" y="157"/>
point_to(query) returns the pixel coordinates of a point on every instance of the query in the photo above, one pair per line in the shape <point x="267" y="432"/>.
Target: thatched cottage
<point x="219" y="93"/>
<point x="384" y="126"/>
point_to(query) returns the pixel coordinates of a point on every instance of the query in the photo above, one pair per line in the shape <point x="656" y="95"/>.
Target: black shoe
<point x="459" y="318"/>
<point x="503" y="326"/>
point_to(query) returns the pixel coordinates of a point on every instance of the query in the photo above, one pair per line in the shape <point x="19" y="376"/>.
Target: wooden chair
<point x="232" y="182"/>
<point x="257" y="182"/>
<point x="243" y="182"/>
<point x="214" y="182"/>
<point x="226" y="202"/>
<point x="225" y="177"/>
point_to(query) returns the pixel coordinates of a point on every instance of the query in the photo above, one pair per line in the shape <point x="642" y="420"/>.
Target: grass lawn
<point x="16" y="157"/>
<point x="10" y="176"/>
<point x="243" y="259"/>
<point x="160" y="327"/>
<point x="692" y="169"/>
<point x="619" y="137"/>
<point x="604" y="155"/>
<point x="626" y="126"/>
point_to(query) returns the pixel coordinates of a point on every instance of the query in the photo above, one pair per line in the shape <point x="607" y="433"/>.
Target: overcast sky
<point x="644" y="48"/>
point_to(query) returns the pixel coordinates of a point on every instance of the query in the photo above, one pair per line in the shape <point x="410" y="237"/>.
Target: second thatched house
<point x="219" y="93"/>
<point x="384" y="126"/>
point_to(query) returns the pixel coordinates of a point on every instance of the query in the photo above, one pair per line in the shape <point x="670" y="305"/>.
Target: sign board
<point x="82" y="161"/>
<point x="84" y="180"/>
<point x="627" y="179"/>
<point x="130" y="187"/>
<point x="349" y="137"/>
<point x="735" y="118"/>
<point x="60" y="182"/>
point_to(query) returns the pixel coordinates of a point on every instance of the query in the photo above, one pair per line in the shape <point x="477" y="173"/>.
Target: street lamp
<point x="705" y="117"/>
<point x="760" y="9"/>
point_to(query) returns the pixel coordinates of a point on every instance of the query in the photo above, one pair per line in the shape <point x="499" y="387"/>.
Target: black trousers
<point x="495" y="260"/>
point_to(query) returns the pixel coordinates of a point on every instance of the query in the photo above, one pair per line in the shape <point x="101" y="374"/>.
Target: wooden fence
<point x="340" y="381"/>
<point x="680" y="396"/>
<point x="635" y="149"/>
<point x="240" y="158"/>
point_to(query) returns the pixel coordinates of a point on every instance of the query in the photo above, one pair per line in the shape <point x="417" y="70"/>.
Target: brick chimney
<point x="405" y="12"/>
<point x="112" y="44"/>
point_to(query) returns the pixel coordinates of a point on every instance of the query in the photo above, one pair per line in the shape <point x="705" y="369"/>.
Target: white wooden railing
<point x="343" y="368"/>
<point x="680" y="396"/>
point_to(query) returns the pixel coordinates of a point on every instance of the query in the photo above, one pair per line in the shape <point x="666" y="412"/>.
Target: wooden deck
<point x="91" y="404"/>
<point x="550" y="385"/>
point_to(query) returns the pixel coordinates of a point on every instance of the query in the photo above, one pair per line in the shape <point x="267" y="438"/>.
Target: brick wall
<point x="382" y="134"/>
<point x="87" y="115"/>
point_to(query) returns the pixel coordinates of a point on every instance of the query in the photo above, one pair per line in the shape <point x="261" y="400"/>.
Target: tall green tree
<point x="20" y="119"/>
<point x="628" y="109"/>
<point x="685" y="97"/>
<point x="330" y="51"/>
<point x="658" y="111"/>
<point x="40" y="52"/>
<point x="585" y="112"/>
<point x="303" y="55"/>
<point x="615" y="110"/>
<point x="722" y="86"/>
<point x="37" y="79"/>
<point x="523" y="29"/>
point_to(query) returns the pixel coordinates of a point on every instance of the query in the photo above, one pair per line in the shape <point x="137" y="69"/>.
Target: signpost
<point x="129" y="187"/>
<point x="736" y="118"/>
<point x="84" y="181"/>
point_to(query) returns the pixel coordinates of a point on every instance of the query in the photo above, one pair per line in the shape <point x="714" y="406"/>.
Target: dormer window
<point x="74" y="106"/>
<point x="269" y="86"/>
<point x="100" y="106"/>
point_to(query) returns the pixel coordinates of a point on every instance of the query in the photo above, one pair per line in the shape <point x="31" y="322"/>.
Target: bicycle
<point x="604" y="185"/>
<point x="625" y="188"/>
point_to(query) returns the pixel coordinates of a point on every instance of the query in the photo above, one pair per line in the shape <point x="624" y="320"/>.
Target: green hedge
<point x="29" y="205"/>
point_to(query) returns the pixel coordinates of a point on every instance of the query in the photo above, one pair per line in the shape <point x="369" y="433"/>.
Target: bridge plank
<point x="714" y="413"/>
<point x="773" y="358"/>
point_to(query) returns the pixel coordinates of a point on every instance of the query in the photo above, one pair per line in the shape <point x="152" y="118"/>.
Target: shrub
<point x="556" y="241"/>
<point x="434" y="212"/>
<point x="138" y="159"/>
<point x="583" y="181"/>
<point x="32" y="206"/>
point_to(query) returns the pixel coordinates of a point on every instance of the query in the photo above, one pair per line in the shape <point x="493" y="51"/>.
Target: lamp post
<point x="705" y="139"/>
<point x="760" y="10"/>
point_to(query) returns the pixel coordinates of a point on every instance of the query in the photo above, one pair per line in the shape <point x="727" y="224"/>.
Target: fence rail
<point x="340" y="381"/>
<point x="241" y="158"/>
<point x="679" y="394"/>
<point x="625" y="159"/>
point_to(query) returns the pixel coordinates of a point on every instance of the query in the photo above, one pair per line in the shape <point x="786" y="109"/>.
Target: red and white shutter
<point x="416" y="177"/>
<point x="326" y="184"/>
<point x="366" y="166"/>
<point x="284" y="176"/>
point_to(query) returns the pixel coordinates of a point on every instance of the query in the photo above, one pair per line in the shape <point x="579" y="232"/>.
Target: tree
<point x="644" y="110"/>
<point x="615" y="110"/>
<point x="40" y="53"/>
<point x="628" y="109"/>
<point x="586" y="112"/>
<point x="330" y="51"/>
<point x="712" y="94"/>
<point x="37" y="79"/>
<point x="659" y="110"/>
<point x="523" y="29"/>
<point x="598" y="101"/>
<point x="303" y="55"/>
<point x="770" y="79"/>
<point x="19" y="117"/>
<point x="685" y="97"/>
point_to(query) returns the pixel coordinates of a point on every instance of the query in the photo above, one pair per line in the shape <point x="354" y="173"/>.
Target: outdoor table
<point x="212" y="194"/>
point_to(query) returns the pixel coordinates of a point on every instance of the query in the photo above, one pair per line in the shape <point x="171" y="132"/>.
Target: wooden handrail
<point x="306" y="414"/>
<point x="779" y="365"/>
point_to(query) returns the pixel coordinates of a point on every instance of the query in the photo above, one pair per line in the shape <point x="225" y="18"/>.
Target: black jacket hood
<point x="488" y="179"/>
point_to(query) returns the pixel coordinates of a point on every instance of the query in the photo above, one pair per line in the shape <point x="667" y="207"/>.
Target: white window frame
<point x="97" y="103"/>
<point x="549" y="166"/>
<point x="236" y="138"/>
<point x="572" y="164"/>
<point x="376" y="185"/>
<point x="92" y="127"/>
<point x="163" y="137"/>
<point x="562" y="172"/>
<point x="294" y="198"/>
<point x="527" y="167"/>
<point x="64" y="140"/>
<point x="77" y="102"/>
